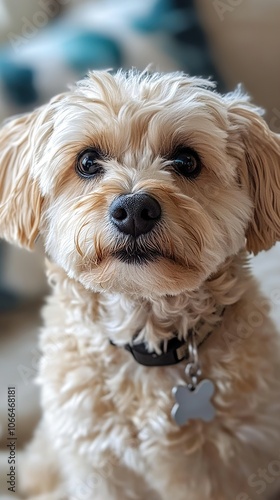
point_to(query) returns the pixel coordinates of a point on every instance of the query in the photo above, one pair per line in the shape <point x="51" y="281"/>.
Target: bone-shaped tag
<point x="194" y="404"/>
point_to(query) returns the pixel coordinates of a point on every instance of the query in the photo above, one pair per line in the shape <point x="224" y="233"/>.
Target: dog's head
<point x="141" y="183"/>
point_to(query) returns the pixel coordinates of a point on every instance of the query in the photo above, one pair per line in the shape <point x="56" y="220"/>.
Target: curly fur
<point x="106" y="431"/>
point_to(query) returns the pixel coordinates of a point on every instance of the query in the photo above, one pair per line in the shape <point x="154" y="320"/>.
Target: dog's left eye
<point x="88" y="163"/>
<point x="186" y="162"/>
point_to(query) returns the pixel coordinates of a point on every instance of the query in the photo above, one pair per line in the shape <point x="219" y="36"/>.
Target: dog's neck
<point x="155" y="320"/>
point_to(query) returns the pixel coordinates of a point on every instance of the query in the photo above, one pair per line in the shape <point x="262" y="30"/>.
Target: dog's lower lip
<point x="137" y="256"/>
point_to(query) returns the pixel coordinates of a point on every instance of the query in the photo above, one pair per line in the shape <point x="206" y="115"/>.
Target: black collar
<point x="172" y="352"/>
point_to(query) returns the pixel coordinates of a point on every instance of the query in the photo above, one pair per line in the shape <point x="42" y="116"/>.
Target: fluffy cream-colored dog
<point x="148" y="191"/>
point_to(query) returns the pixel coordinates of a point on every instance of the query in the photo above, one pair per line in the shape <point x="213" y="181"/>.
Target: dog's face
<point x="141" y="184"/>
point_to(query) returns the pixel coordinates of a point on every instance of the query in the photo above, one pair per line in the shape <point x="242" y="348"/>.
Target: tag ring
<point x="192" y="370"/>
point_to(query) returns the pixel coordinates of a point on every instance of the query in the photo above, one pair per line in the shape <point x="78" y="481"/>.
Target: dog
<point x="160" y="368"/>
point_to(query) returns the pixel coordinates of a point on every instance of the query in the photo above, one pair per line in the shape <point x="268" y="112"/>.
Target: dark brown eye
<point x="186" y="162"/>
<point x="88" y="163"/>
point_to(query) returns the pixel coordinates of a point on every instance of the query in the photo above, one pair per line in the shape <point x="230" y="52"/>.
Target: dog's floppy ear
<point x="259" y="171"/>
<point x="20" y="200"/>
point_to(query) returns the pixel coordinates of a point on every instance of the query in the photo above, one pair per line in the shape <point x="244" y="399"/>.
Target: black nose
<point x="135" y="214"/>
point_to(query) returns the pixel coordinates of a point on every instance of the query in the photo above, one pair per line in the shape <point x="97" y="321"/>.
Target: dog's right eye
<point x="88" y="163"/>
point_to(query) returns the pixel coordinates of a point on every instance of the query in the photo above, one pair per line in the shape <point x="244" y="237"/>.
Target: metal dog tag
<point x="193" y="404"/>
<point x="194" y="398"/>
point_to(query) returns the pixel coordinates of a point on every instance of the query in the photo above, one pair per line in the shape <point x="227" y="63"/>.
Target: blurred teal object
<point x="18" y="81"/>
<point x="8" y="300"/>
<point x="87" y="50"/>
<point x="165" y="17"/>
<point x="185" y="40"/>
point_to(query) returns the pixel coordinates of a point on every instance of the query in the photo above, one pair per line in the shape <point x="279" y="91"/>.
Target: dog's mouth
<point x="137" y="256"/>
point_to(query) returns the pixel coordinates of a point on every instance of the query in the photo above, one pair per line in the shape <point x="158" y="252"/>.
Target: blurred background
<point x="45" y="45"/>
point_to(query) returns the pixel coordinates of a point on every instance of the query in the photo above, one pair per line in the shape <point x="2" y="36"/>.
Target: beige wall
<point x="244" y="36"/>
